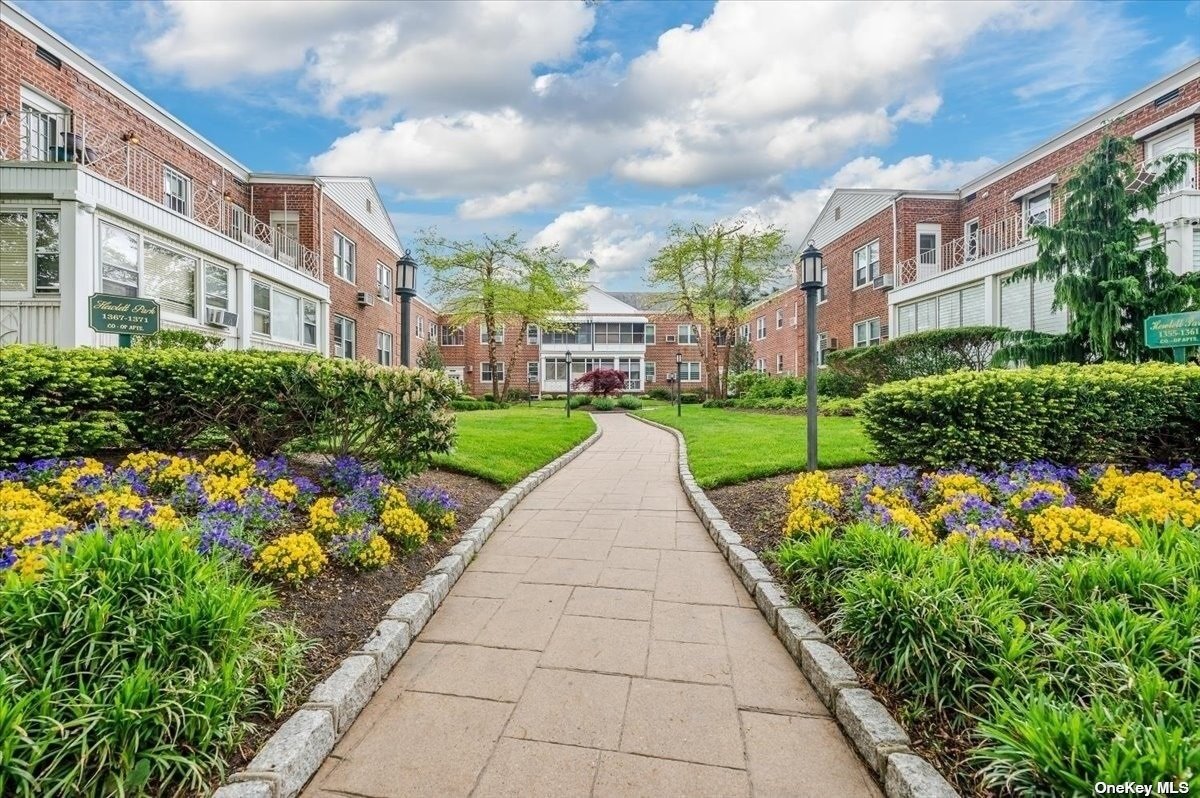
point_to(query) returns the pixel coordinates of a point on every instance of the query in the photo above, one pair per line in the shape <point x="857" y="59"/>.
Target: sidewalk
<point x="597" y="645"/>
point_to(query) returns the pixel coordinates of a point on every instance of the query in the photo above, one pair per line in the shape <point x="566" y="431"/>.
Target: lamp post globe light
<point x="568" y="383"/>
<point x="406" y="289"/>
<point x="811" y="284"/>
<point x="678" y="384"/>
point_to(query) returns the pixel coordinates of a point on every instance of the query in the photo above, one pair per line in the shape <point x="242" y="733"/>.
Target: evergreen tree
<point x="741" y="356"/>
<point x="430" y="357"/>
<point x="1106" y="277"/>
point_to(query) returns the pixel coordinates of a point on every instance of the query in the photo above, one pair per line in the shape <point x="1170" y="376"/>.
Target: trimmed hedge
<point x="852" y="371"/>
<point x="60" y="402"/>
<point x="825" y="406"/>
<point x="1068" y="414"/>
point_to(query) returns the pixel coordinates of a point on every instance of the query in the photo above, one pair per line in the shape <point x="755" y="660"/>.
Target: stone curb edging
<point x="879" y="739"/>
<point x="290" y="757"/>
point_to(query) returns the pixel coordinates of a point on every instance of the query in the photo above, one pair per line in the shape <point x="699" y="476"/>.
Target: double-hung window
<point x="531" y="334"/>
<point x="345" y="256"/>
<point x="760" y="365"/>
<point x="177" y="191"/>
<point x="483" y="334"/>
<point x="283" y="316"/>
<point x="689" y="371"/>
<point x="651" y="371"/>
<point x="822" y="348"/>
<point x="485" y="372"/>
<point x="744" y="332"/>
<point x="29" y="246"/>
<point x="823" y="291"/>
<point x="689" y="333"/>
<point x="779" y="319"/>
<point x="650" y="332"/>
<point x="344" y="332"/>
<point x="383" y="281"/>
<point x="531" y="371"/>
<point x="119" y="257"/>
<point x="383" y="348"/>
<point x="1037" y="209"/>
<point x="866" y="333"/>
<point x="779" y="363"/>
<point x="866" y="264"/>
<point x="631" y="367"/>
<point x="420" y="333"/>
<point x="169" y="277"/>
<point x="762" y="327"/>
<point x="216" y="286"/>
<point x="452" y="336"/>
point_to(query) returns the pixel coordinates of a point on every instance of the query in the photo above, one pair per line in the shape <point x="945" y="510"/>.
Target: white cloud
<point x="621" y="243"/>
<point x="530" y="197"/>
<point x="914" y="172"/>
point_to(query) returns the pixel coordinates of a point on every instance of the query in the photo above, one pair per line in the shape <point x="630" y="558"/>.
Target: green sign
<point x="123" y="315"/>
<point x="1175" y="331"/>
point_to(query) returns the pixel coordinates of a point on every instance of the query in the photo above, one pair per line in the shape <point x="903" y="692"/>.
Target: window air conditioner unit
<point x="366" y="299"/>
<point x="884" y="282"/>
<point x="883" y="331"/>
<point x="670" y="339"/>
<point x="220" y="318"/>
<point x="831" y="343"/>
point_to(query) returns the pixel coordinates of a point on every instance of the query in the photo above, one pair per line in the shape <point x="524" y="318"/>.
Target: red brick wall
<point x="786" y="340"/>
<point x="303" y="199"/>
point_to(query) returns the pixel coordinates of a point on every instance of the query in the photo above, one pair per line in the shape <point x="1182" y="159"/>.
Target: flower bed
<point x="1035" y="626"/>
<point x="312" y="552"/>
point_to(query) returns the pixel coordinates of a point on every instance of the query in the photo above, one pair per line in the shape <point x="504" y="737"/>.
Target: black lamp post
<point x="568" y="383"/>
<point x="528" y="390"/>
<point x="678" y="384"/>
<point x="406" y="288"/>
<point x="810" y="283"/>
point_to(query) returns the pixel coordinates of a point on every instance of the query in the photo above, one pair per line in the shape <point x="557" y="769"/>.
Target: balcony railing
<point x="69" y="138"/>
<point x="997" y="238"/>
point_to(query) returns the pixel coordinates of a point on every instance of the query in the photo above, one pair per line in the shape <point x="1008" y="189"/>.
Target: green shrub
<point x="839" y="383"/>
<point x="604" y="403"/>
<point x="1069" y="414"/>
<point x="659" y="392"/>
<point x="629" y="403"/>
<point x="179" y="339"/>
<point x="918" y="355"/>
<point x="690" y="399"/>
<point x="581" y="401"/>
<point x="470" y="405"/>
<point x="132" y="666"/>
<point x="719" y="403"/>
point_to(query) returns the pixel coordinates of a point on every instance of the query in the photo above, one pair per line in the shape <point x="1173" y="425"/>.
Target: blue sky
<point x="596" y="126"/>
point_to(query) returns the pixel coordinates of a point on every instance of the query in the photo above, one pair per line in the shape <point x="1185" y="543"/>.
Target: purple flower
<point x="437" y="496"/>
<point x="972" y="516"/>
<point x="271" y="468"/>
<point x="347" y="474"/>
<point x="8" y="558"/>
<point x="218" y="535"/>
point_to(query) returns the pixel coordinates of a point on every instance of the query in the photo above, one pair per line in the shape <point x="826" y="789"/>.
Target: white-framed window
<point x="1177" y="140"/>
<point x="779" y="319"/>
<point x="531" y="371"/>
<point x="45" y="127"/>
<point x="177" y="191"/>
<point x="420" y="332"/>
<point x="120" y="260"/>
<point x="866" y="333"/>
<point x="866" y="264"/>
<point x="383" y="281"/>
<point x="133" y="264"/>
<point x="453" y="336"/>
<point x="383" y="348"/>
<point x="433" y="331"/>
<point x="345" y="332"/>
<point x="822" y="348"/>
<point x="689" y="371"/>
<point x="650" y="333"/>
<point x="216" y="286"/>
<point x="779" y="363"/>
<point x="284" y="316"/>
<point x="760" y="365"/>
<point x="1037" y="209"/>
<point x="345" y="257"/>
<point x="744" y="332"/>
<point x="651" y="370"/>
<point x="285" y="233"/>
<point x="959" y="308"/>
<point x="556" y="369"/>
<point x="531" y="334"/>
<point x="483" y="334"/>
<point x="485" y="371"/>
<point x="286" y="223"/>
<point x="929" y="244"/>
<point x="632" y="368"/>
<point x="971" y="239"/>
<point x="823" y="291"/>
<point x="762" y="327"/>
<point x="689" y="333"/>
<point x="169" y="276"/>
<point x="29" y="250"/>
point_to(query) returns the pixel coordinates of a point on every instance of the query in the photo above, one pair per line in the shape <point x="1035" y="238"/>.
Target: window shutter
<point x="170" y="278"/>
<point x="1045" y="319"/>
<point x="927" y="315"/>
<point x="14" y="251"/>
<point x="972" y="306"/>
<point x="908" y="319"/>
<point x="950" y="311"/>
<point x="1015" y="310"/>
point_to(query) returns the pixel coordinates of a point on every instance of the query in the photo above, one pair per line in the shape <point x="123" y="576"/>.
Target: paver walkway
<point x="597" y="645"/>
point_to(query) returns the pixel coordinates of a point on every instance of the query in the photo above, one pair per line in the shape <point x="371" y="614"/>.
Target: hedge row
<point x="56" y="402"/>
<point x="1069" y="414"/>
<point x="794" y="406"/>
<point x="850" y="372"/>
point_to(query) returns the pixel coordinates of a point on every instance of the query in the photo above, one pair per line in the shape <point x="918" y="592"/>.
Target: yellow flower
<point x="284" y="490"/>
<point x="814" y="487"/>
<point x="1149" y="496"/>
<point x="808" y="519"/>
<point x="291" y="558"/>
<point x="400" y="523"/>
<point x="323" y="520"/>
<point x="25" y="515"/>
<point x="226" y="487"/>
<point x="230" y="464"/>
<point x="948" y="486"/>
<point x="1057" y="529"/>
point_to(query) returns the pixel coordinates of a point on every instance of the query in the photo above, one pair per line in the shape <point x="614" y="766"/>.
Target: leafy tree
<point x="430" y="357"/>
<point x="741" y="356"/>
<point x="601" y="382"/>
<point x="1105" y="277"/>
<point x="707" y="272"/>
<point x="500" y="282"/>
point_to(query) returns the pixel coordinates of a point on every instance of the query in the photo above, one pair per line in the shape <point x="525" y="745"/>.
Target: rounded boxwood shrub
<point x="629" y="403"/>
<point x="603" y="403"/>
<point x="1068" y="414"/>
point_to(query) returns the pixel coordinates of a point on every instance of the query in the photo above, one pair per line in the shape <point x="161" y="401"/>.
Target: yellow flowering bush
<point x="814" y="487"/>
<point x="1150" y="496"/>
<point x="25" y="515"/>
<point x="323" y="520"/>
<point x="1058" y="529"/>
<point x="229" y="464"/>
<point x="284" y="490"/>
<point x="808" y="519"/>
<point x="400" y="522"/>
<point x="947" y="486"/>
<point x="363" y="551"/>
<point x="220" y="487"/>
<point x="291" y="558"/>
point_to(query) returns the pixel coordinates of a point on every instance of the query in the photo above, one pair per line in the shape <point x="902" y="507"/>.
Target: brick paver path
<point x="597" y="645"/>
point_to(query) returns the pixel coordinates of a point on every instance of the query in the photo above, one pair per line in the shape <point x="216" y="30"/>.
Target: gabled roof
<point x="846" y="208"/>
<point x="598" y="302"/>
<point x="651" y="301"/>
<point x="359" y="197"/>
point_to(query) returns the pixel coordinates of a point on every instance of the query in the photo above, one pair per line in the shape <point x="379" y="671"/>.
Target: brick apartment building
<point x="104" y="191"/>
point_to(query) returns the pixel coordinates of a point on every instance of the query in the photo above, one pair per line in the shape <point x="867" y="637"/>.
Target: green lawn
<point x="504" y="446"/>
<point x="727" y="446"/>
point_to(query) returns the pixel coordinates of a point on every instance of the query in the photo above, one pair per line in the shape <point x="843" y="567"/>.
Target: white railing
<point x="68" y="138"/>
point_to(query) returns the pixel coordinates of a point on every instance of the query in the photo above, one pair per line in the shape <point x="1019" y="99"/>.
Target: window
<point x="177" y="191"/>
<point x="744" y="332"/>
<point x="618" y="333"/>
<point x="1173" y="142"/>
<point x="483" y="334"/>
<point x="929" y="239"/>
<point x="29" y="249"/>
<point x="962" y="308"/>
<point x="531" y="371"/>
<point x="631" y="367"/>
<point x="531" y="334"/>
<point x="344" y="333"/>
<point x="310" y="322"/>
<point x="779" y="319"/>
<point x="866" y="333"/>
<point x="345" y="256"/>
<point x="651" y="370"/>
<point x="822" y="348"/>
<point x="262" y="308"/>
<point x="1037" y="209"/>
<point x="795" y="314"/>
<point x="383" y="348"/>
<point x="779" y="363"/>
<point x="650" y="332"/>
<point x="420" y="333"/>
<point x="762" y="327"/>
<point x="866" y="264"/>
<point x="284" y="316"/>
<point x="433" y="331"/>
<point x="39" y="133"/>
<point x="556" y="369"/>
<point x="689" y="371"/>
<point x="169" y="277"/>
<point x="1029" y="305"/>
<point x="119" y="258"/>
<point x="823" y="291"/>
<point x="383" y="281"/>
<point x="971" y="239"/>
<point x="452" y="336"/>
<point x="579" y="335"/>
<point x="216" y="286"/>
<point x="485" y="372"/>
<point x="760" y="365"/>
<point x="285" y="230"/>
<point x="689" y="333"/>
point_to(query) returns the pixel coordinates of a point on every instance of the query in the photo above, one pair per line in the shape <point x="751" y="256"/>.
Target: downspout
<point x="895" y="235"/>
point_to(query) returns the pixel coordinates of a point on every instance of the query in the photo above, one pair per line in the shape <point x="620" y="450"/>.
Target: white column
<point x="245" y="307"/>
<point x="323" y="322"/>
<point x="78" y="272"/>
